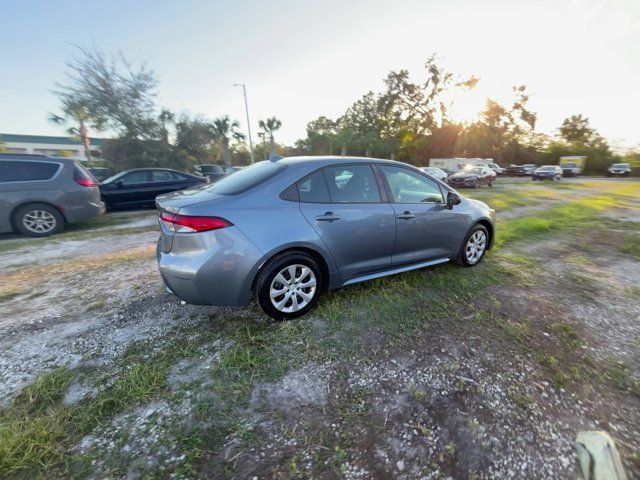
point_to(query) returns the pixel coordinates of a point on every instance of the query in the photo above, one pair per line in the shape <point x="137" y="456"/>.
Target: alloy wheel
<point x="475" y="247"/>
<point x="293" y="288"/>
<point x="39" y="221"/>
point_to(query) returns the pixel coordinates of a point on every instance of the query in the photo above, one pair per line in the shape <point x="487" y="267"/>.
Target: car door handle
<point x="406" y="216"/>
<point x="327" y="217"/>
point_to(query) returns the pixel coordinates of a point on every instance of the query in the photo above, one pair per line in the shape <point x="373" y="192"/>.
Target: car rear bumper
<point x="210" y="268"/>
<point x="84" y="212"/>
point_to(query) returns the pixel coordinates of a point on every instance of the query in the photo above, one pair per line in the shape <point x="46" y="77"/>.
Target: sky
<point x="303" y="59"/>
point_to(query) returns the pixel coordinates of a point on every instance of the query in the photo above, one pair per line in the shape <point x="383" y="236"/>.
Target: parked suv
<point x="283" y="231"/>
<point x="622" y="169"/>
<point x="40" y="194"/>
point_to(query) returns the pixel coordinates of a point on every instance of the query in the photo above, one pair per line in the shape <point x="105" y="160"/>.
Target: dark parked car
<point x="515" y="171"/>
<point x="284" y="231"/>
<point x="621" y="169"/>
<point x="214" y="172"/>
<point x="138" y="188"/>
<point x="529" y="168"/>
<point x="100" y="173"/>
<point x="547" y="172"/>
<point x="473" y="177"/>
<point x="40" y="194"/>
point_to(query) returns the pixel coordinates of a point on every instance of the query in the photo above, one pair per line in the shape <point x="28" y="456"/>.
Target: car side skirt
<point x="393" y="271"/>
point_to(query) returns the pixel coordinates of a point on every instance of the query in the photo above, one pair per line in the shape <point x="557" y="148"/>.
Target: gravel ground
<point x="441" y="406"/>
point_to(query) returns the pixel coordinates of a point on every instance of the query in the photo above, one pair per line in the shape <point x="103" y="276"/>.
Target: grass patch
<point x="631" y="246"/>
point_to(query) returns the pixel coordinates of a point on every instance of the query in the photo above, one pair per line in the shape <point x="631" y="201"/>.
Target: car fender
<point x="314" y="248"/>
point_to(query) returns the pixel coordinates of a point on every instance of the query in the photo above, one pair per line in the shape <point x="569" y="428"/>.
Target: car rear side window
<point x="246" y="178"/>
<point x="21" y="171"/>
<point x="352" y="184"/>
<point x="313" y="189"/>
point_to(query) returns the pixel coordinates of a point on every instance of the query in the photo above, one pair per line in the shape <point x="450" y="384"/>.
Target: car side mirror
<point x="118" y="184"/>
<point x="452" y="199"/>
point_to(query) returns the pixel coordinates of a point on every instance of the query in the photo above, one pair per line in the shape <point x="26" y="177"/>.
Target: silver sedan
<point x="284" y="231"/>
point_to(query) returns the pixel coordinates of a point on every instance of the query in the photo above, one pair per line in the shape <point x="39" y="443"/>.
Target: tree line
<point x="409" y="120"/>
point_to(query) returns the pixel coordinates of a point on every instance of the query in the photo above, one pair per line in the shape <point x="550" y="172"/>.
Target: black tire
<point x="53" y="221"/>
<point x="462" y="258"/>
<point x="267" y="275"/>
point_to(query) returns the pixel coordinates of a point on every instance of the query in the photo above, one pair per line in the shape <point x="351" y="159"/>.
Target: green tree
<point x="224" y="130"/>
<point x="75" y="114"/>
<point x="115" y="94"/>
<point x="576" y="130"/>
<point x="269" y="127"/>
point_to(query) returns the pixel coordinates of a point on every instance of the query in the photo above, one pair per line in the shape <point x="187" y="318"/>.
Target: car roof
<point x="34" y="157"/>
<point x="145" y="169"/>
<point x="332" y="160"/>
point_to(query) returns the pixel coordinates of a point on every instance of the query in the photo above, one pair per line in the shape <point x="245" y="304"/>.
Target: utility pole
<point x="246" y="107"/>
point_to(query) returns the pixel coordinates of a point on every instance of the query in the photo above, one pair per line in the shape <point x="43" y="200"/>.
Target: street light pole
<point x="246" y="107"/>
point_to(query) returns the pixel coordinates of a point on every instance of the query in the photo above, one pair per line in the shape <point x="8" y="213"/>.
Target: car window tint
<point x="411" y="187"/>
<point x="314" y="188"/>
<point x="135" y="177"/>
<point x="17" y="171"/>
<point x="352" y="184"/>
<point x="165" y="176"/>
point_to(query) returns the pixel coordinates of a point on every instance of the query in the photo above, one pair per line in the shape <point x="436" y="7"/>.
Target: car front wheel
<point x="289" y="285"/>
<point x="38" y="220"/>
<point x="473" y="247"/>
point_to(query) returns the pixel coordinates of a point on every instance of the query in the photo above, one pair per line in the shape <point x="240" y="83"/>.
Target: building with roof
<point x="49" y="145"/>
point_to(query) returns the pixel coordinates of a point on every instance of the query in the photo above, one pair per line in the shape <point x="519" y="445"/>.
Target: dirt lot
<point x="441" y="373"/>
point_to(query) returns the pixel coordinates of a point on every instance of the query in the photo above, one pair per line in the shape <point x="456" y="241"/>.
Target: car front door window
<point x="135" y="178"/>
<point x="411" y="187"/>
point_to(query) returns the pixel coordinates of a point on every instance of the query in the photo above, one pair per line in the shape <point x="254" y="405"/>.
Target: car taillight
<point x="187" y="223"/>
<point x="85" y="182"/>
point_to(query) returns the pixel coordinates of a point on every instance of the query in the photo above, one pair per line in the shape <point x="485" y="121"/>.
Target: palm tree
<point x="74" y="112"/>
<point x="269" y="126"/>
<point x="224" y="130"/>
<point x="166" y="118"/>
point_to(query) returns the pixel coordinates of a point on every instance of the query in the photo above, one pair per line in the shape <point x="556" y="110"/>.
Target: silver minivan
<point x="40" y="194"/>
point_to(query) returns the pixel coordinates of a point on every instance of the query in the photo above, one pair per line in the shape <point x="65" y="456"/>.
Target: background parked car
<point x="473" y="177"/>
<point x="621" y="169"/>
<point x="213" y="171"/>
<point x="547" y="172"/>
<point x="528" y="168"/>
<point x="436" y="172"/>
<point x="496" y="168"/>
<point x="138" y="188"/>
<point x="515" y="171"/>
<point x="40" y="194"/>
<point x="100" y="173"/>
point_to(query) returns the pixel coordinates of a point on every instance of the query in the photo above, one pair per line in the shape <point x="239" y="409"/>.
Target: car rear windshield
<point x="25" y="171"/>
<point x="246" y="178"/>
<point x="547" y="169"/>
<point x="620" y="165"/>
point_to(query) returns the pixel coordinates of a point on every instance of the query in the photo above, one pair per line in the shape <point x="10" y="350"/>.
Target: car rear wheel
<point x="38" y="220"/>
<point x="289" y="285"/>
<point x="473" y="247"/>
